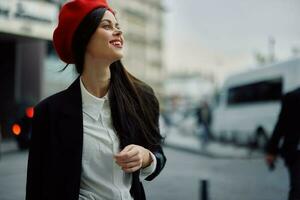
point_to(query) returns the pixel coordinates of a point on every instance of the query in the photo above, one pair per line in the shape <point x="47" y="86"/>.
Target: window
<point x="264" y="91"/>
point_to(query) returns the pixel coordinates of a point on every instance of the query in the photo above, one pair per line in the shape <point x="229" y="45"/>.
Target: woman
<point x="98" y="138"/>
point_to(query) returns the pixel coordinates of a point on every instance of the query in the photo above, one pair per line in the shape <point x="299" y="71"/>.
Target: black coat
<point x="54" y="163"/>
<point x="287" y="128"/>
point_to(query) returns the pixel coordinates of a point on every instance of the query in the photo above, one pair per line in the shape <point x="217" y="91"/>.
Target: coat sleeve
<point x="280" y="127"/>
<point x="157" y="149"/>
<point x="34" y="167"/>
<point x="160" y="163"/>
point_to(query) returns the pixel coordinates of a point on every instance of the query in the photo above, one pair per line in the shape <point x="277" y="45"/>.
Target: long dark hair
<point x="134" y="107"/>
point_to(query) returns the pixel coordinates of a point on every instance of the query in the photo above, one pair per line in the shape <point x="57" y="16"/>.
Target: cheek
<point x="97" y="44"/>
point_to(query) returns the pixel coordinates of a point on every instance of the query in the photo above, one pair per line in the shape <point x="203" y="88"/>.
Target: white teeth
<point x="116" y="43"/>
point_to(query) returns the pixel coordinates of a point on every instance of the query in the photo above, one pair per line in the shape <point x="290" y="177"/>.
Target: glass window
<point x="263" y="91"/>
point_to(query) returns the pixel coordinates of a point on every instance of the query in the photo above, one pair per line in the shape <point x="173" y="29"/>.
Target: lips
<point x="117" y="43"/>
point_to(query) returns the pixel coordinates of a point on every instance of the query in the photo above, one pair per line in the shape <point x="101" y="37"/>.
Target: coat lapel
<point x="69" y="138"/>
<point x="71" y="124"/>
<point x="72" y="102"/>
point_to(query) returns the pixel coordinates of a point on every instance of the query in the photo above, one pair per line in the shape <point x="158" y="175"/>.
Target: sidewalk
<point x="8" y="145"/>
<point x="213" y="149"/>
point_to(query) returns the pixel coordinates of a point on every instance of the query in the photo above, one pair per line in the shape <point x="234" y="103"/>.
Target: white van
<point x="249" y="102"/>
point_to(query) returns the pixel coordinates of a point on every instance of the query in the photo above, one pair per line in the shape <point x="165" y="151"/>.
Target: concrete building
<point x="142" y="24"/>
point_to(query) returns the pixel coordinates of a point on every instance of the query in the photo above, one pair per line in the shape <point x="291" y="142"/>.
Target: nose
<point x="118" y="33"/>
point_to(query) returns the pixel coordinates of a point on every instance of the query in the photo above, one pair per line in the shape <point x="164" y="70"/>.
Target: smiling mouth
<point x="116" y="43"/>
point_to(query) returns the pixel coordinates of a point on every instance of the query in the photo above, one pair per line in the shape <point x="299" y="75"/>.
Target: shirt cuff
<point x="147" y="171"/>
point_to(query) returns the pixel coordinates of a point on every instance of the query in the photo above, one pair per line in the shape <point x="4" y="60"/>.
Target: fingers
<point x="131" y="165"/>
<point x="127" y="156"/>
<point x="127" y="148"/>
<point x="130" y="170"/>
<point x="130" y="158"/>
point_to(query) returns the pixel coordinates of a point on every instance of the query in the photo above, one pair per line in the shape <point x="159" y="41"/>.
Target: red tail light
<point x="16" y="129"/>
<point x="30" y="112"/>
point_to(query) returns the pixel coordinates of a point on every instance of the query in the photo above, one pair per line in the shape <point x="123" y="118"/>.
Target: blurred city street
<point x="229" y="178"/>
<point x="219" y="76"/>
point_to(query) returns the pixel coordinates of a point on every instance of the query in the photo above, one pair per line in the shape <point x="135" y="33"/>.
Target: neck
<point x="96" y="76"/>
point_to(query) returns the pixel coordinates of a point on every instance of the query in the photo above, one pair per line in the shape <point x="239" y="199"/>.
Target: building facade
<point x="25" y="26"/>
<point x="142" y="24"/>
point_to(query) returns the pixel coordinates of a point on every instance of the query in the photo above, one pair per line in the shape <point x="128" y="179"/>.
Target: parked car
<point x="21" y="128"/>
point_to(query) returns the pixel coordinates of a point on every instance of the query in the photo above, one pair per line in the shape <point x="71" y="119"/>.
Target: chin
<point x="118" y="56"/>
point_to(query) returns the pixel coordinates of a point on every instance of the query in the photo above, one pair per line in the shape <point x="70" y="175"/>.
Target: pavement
<point x="182" y="178"/>
<point x="8" y="146"/>
<point x="192" y="143"/>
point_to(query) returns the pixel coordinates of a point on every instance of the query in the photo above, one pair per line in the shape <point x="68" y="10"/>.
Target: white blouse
<point x="101" y="177"/>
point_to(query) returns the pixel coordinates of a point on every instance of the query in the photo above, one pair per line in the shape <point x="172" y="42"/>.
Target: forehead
<point x="109" y="16"/>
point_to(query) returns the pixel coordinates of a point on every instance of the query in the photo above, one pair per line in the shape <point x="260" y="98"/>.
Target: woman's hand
<point x="133" y="157"/>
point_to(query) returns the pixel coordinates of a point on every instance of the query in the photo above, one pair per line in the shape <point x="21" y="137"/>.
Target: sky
<point x="222" y="36"/>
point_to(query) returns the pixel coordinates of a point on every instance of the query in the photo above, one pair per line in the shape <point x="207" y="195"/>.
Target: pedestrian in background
<point x="203" y="114"/>
<point x="100" y="137"/>
<point x="288" y="130"/>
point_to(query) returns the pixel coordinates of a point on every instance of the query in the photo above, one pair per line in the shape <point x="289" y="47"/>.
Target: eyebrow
<point x="109" y="21"/>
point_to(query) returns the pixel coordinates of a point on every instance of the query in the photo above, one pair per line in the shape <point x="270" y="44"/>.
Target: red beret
<point x="70" y="16"/>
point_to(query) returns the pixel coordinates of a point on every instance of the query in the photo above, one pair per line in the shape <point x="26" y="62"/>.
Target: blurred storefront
<point x="25" y="27"/>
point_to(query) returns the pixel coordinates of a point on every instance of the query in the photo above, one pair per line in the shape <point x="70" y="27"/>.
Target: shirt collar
<point x="91" y="104"/>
